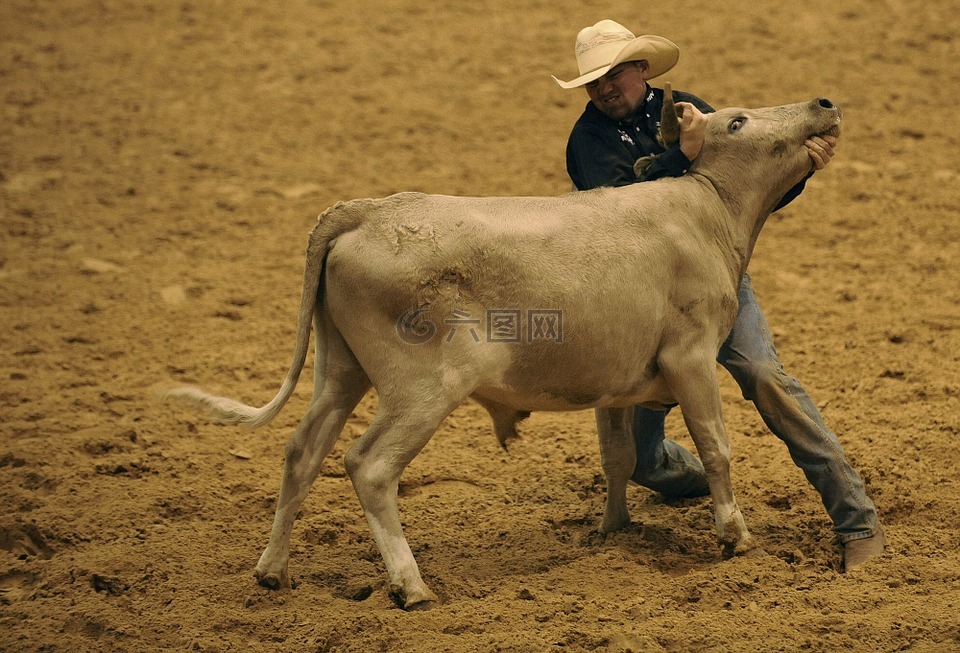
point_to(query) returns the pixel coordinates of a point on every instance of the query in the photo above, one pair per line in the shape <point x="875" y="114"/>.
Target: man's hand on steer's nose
<point x="821" y="150"/>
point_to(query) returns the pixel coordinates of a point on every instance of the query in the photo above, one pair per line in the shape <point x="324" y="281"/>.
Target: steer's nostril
<point x="825" y="103"/>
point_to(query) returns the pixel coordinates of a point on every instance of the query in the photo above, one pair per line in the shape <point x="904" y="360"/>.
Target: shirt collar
<point x="641" y="109"/>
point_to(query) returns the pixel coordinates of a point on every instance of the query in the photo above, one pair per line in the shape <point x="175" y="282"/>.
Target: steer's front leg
<point x="618" y="456"/>
<point x="692" y="377"/>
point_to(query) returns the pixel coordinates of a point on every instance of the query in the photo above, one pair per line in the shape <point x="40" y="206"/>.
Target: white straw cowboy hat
<point x="602" y="46"/>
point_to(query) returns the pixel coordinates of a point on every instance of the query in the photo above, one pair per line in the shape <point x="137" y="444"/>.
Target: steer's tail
<point x="334" y="221"/>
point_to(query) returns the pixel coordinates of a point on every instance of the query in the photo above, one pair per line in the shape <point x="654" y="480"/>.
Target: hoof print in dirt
<point x="109" y="584"/>
<point x="357" y="593"/>
<point x="25" y="541"/>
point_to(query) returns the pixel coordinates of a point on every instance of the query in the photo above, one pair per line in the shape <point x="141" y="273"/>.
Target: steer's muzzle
<point x="831" y="113"/>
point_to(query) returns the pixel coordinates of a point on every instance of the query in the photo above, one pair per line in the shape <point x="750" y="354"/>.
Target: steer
<point x="600" y="299"/>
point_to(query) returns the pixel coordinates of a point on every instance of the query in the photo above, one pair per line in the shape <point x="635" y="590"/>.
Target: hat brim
<point x="662" y="55"/>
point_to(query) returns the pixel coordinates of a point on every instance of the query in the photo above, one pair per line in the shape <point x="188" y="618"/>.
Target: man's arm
<point x="676" y="160"/>
<point x="672" y="163"/>
<point x="592" y="162"/>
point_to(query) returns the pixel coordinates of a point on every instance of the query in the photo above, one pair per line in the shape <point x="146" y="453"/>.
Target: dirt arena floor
<point x="160" y="166"/>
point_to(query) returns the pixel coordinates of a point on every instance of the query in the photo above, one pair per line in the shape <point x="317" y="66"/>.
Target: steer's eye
<point x="736" y="124"/>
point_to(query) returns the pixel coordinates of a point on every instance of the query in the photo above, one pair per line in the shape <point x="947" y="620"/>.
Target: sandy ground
<point x="160" y="166"/>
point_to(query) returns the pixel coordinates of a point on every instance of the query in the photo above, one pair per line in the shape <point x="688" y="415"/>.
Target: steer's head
<point x="760" y="153"/>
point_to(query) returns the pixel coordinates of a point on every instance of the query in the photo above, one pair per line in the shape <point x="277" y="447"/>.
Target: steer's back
<point x="600" y="267"/>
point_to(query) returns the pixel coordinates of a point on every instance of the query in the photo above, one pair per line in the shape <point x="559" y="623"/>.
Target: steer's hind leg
<point x="375" y="463"/>
<point x="618" y="455"/>
<point x="692" y="377"/>
<point x="343" y="386"/>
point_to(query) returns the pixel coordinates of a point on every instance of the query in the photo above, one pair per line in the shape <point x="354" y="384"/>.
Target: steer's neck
<point x="743" y="217"/>
<point x="726" y="223"/>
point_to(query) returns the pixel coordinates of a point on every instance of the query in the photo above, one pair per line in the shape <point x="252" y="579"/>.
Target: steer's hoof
<point x="418" y="599"/>
<point x="614" y="524"/>
<point x="744" y="547"/>
<point x="273" y="581"/>
<point x="420" y="606"/>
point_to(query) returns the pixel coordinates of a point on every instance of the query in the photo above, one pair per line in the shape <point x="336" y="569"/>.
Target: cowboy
<point x="620" y="125"/>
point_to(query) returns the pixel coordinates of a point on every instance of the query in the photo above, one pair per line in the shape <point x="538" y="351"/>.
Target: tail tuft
<point x="222" y="409"/>
<point x="332" y="223"/>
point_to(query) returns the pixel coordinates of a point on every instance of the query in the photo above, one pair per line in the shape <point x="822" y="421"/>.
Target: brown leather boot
<point x="857" y="552"/>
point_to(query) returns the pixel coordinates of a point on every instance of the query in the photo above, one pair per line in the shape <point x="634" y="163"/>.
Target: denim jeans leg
<point x="663" y="465"/>
<point x="749" y="355"/>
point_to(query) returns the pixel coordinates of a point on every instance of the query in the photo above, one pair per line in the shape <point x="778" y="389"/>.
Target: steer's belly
<point x="553" y="393"/>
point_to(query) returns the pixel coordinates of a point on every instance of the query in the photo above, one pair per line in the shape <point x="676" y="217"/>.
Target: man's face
<point x="618" y="93"/>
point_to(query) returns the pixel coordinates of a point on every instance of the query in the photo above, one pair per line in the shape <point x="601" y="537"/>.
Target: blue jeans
<point x="749" y="355"/>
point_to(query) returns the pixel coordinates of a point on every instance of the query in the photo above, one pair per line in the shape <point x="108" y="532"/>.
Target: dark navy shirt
<point x="601" y="151"/>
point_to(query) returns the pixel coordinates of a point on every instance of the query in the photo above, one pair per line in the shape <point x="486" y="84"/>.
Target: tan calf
<point x="600" y="299"/>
